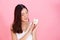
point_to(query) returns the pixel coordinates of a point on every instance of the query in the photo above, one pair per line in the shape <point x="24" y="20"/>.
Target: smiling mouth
<point x="26" y="18"/>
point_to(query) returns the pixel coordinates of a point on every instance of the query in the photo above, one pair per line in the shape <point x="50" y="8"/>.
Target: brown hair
<point x="16" y="27"/>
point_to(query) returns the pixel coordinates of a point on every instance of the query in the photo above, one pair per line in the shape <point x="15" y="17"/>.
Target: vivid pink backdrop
<point x="47" y="11"/>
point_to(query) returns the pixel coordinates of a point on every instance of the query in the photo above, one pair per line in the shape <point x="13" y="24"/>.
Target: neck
<point x="25" y="25"/>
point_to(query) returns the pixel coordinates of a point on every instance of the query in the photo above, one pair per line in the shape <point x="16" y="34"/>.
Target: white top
<point x="20" y="35"/>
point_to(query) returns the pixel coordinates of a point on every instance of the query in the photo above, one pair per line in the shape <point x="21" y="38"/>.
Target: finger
<point x="34" y="27"/>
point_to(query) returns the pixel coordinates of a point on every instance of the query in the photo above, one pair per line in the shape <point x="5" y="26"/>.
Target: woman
<point x="22" y="29"/>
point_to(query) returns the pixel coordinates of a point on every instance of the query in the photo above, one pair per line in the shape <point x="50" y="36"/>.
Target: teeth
<point x="35" y="21"/>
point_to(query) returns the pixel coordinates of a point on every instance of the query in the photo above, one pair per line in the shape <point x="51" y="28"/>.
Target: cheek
<point x="22" y="17"/>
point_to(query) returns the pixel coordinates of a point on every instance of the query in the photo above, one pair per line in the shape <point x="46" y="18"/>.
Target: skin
<point x="25" y="24"/>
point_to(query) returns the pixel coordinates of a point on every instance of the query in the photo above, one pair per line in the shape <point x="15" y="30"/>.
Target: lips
<point x="26" y="18"/>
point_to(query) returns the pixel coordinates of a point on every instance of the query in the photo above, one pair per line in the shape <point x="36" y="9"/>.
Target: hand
<point x="34" y="29"/>
<point x="30" y="29"/>
<point x="34" y="32"/>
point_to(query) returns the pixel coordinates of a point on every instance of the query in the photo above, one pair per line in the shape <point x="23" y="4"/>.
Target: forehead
<point x="24" y="10"/>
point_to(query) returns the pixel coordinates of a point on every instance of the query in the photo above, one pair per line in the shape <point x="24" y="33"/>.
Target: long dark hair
<point x="16" y="27"/>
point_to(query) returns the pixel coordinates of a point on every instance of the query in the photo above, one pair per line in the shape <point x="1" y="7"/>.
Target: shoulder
<point x="11" y="29"/>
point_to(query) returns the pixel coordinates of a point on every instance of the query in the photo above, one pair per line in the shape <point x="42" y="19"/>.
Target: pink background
<point x="47" y="11"/>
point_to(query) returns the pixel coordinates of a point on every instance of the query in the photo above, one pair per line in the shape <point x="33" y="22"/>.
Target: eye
<point x="26" y="12"/>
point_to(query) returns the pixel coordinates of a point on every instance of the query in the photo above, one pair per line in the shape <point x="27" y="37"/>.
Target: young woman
<point x="21" y="28"/>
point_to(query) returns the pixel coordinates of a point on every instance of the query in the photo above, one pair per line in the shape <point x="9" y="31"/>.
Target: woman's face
<point x="24" y="14"/>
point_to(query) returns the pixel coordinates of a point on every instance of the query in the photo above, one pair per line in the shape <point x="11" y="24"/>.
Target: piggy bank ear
<point x="35" y="21"/>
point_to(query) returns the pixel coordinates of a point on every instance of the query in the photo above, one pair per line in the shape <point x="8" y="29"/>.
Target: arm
<point x="25" y="36"/>
<point x="28" y="32"/>
<point x="34" y="36"/>
<point x="34" y="32"/>
<point x="13" y="36"/>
